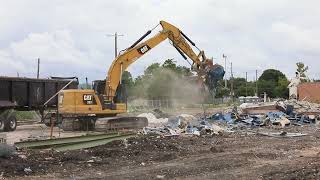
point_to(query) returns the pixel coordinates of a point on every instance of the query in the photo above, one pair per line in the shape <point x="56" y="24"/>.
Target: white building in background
<point x="293" y="86"/>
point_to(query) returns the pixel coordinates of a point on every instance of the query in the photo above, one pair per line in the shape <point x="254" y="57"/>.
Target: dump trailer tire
<point x="10" y="124"/>
<point x="2" y="120"/>
<point x="1" y="125"/>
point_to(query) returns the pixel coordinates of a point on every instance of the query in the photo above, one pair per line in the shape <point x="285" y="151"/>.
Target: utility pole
<point x="38" y="70"/>
<point x="256" y="82"/>
<point x="225" y="68"/>
<point x="246" y="84"/>
<point x="115" y="35"/>
<point x="232" y="93"/>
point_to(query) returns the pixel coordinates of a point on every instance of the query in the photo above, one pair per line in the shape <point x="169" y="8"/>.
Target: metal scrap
<point x="90" y="144"/>
<point x="281" y="134"/>
<point x="73" y="143"/>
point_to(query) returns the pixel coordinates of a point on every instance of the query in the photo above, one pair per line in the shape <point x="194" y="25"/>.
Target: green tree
<point x="183" y="71"/>
<point x="274" y="83"/>
<point x="267" y="86"/>
<point x="168" y="80"/>
<point x="242" y="88"/>
<point x="127" y="79"/>
<point x="138" y="90"/>
<point x="151" y="69"/>
<point x="160" y="85"/>
<point x="271" y="75"/>
<point x="302" y="69"/>
<point x="281" y="89"/>
<point x="170" y="64"/>
<point x="127" y="84"/>
<point x="222" y="92"/>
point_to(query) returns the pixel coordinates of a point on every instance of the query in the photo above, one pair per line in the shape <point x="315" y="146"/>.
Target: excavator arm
<point x="201" y="64"/>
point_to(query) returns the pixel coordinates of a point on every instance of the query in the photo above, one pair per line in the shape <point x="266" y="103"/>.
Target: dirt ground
<point x="240" y="155"/>
<point x="229" y="156"/>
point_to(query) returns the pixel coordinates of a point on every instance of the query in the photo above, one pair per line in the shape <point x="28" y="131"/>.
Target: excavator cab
<point x="109" y="102"/>
<point x="98" y="87"/>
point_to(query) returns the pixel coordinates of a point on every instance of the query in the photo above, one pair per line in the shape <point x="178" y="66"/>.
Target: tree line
<point x="175" y="81"/>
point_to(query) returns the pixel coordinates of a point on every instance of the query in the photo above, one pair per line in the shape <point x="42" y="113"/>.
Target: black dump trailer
<point x="26" y="94"/>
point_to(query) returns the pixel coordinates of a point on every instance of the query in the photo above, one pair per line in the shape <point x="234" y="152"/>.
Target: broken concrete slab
<point x="260" y="108"/>
<point x="153" y="120"/>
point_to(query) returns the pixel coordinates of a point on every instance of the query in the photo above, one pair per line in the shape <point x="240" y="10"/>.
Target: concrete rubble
<point x="183" y="124"/>
<point x="280" y="113"/>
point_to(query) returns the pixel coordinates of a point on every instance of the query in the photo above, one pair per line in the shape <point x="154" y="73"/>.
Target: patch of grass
<point x="21" y="115"/>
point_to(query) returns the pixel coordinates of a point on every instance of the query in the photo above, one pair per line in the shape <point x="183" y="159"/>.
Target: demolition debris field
<point x="228" y="145"/>
<point x="243" y="154"/>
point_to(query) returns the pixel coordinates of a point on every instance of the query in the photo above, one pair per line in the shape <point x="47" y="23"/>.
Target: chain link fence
<point x="145" y="105"/>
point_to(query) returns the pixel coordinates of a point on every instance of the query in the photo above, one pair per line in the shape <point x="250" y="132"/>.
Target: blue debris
<point x="228" y="117"/>
<point x="248" y="121"/>
<point x="220" y="117"/>
<point x="217" y="116"/>
<point x="192" y="130"/>
<point x="273" y="116"/>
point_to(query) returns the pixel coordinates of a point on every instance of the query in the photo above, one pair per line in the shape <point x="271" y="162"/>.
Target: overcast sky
<point x="70" y="37"/>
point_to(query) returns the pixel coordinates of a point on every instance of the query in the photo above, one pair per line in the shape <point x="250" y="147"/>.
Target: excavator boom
<point x="201" y="64"/>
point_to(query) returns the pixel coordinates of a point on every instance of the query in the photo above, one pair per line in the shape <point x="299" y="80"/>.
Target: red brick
<point x="309" y="92"/>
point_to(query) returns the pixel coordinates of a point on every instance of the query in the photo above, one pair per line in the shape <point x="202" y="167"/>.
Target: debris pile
<point x="183" y="124"/>
<point x="303" y="107"/>
<point x="153" y="120"/>
<point x="279" y="113"/>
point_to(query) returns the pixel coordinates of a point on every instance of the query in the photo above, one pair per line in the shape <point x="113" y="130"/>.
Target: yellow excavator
<point x="105" y="100"/>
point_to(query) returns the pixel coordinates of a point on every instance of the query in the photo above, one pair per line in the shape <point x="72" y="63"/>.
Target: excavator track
<point x="104" y="124"/>
<point x="117" y="123"/>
